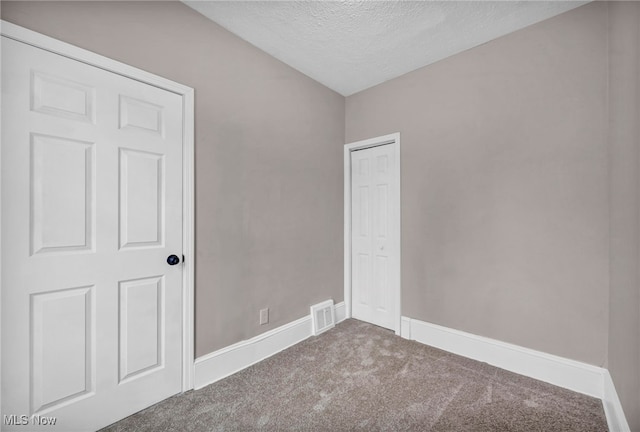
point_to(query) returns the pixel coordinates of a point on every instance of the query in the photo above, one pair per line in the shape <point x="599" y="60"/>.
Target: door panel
<point x="372" y="242"/>
<point x="141" y="326"/>
<point x="381" y="278"/>
<point x="63" y="336"/>
<point x="363" y="278"/>
<point x="57" y="96"/>
<point x="62" y="192"/>
<point x="382" y="209"/>
<point x="92" y="207"/>
<point x="141" y="115"/>
<point x="141" y="199"/>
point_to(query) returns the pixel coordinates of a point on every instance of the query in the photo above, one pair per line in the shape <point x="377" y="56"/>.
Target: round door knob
<point x="173" y="259"/>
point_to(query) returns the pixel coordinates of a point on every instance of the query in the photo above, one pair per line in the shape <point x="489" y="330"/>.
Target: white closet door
<point x="91" y="209"/>
<point x="373" y="248"/>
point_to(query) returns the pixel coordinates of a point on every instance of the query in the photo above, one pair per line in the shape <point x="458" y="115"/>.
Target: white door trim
<point x="393" y="139"/>
<point x="47" y="43"/>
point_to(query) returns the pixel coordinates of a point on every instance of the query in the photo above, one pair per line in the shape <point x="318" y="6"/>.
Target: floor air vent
<point x="323" y="317"/>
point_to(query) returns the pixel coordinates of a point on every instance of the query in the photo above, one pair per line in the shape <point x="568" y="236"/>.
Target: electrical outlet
<point x="264" y="316"/>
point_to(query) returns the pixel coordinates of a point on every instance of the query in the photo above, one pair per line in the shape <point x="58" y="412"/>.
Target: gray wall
<point x="521" y="188"/>
<point x="268" y="158"/>
<point x="504" y="185"/>
<point x="624" y="138"/>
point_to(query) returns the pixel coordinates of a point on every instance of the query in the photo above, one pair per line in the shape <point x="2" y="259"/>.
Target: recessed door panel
<point x="381" y="278"/>
<point x="61" y="97"/>
<point x="383" y="163"/>
<point x="364" y="167"/>
<point x="364" y="211"/>
<point x="141" y="199"/>
<point x="62" y="194"/>
<point x="363" y="273"/>
<point x="141" y="326"/>
<point x="382" y="211"/>
<point x="63" y="335"/>
<point x="140" y="115"/>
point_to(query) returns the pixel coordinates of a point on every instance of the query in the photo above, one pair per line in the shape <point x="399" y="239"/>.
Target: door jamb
<point x="393" y="139"/>
<point x="64" y="49"/>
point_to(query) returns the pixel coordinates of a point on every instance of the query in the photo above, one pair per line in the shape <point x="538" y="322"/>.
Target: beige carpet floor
<point x="359" y="377"/>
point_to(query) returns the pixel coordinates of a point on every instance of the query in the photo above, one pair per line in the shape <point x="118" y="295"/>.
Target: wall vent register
<point x="323" y="317"/>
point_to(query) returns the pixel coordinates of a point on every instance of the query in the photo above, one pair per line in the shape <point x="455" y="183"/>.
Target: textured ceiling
<point x="352" y="45"/>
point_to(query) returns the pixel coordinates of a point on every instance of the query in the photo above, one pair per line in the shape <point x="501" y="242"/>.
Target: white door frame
<point x="55" y="46"/>
<point x="393" y="139"/>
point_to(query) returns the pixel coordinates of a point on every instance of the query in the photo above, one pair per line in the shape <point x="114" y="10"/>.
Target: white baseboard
<point x="559" y="371"/>
<point x="570" y="374"/>
<point x="229" y="360"/>
<point x="405" y="327"/>
<point x="341" y="312"/>
<point x="616" y="419"/>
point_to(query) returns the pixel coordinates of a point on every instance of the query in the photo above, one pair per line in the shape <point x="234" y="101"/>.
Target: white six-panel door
<point x="92" y="207"/>
<point x="373" y="246"/>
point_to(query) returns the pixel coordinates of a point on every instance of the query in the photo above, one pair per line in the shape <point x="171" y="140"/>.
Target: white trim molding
<point x="188" y="240"/>
<point x="55" y="46"/>
<point x="38" y="40"/>
<point x="394" y="139"/>
<point x="616" y="419"/>
<point x="234" y="358"/>
<point x="341" y="312"/>
<point x="405" y="327"/>
<point x="570" y="374"/>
